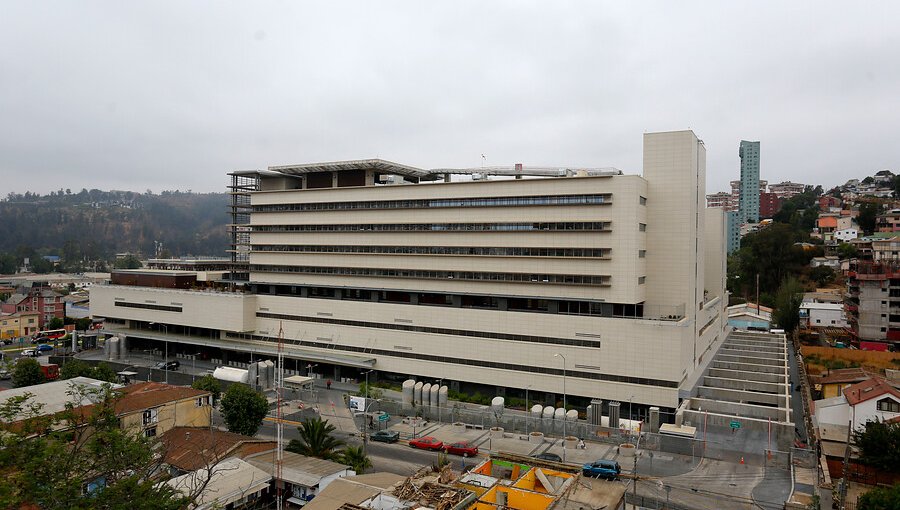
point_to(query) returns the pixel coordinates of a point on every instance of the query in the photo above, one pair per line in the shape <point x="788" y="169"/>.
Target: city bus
<point x="50" y="334"/>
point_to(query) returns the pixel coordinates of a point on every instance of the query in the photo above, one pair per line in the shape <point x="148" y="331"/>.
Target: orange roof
<point x="192" y="448"/>
<point x="844" y="375"/>
<point x="827" y="221"/>
<point x="144" y="395"/>
<point x="869" y="389"/>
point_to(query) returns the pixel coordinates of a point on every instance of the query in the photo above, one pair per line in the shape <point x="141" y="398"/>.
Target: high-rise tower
<point x="748" y="208"/>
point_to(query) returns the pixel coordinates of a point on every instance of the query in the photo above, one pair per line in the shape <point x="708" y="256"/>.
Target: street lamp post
<point x="365" y="432"/>
<point x="194" y="368"/>
<point x="309" y="368"/>
<point x="559" y="355"/>
<point x="629" y="416"/>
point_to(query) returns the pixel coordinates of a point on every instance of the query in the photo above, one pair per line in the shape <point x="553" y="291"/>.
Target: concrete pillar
<point x="334" y="179"/>
<point x="595" y="411"/>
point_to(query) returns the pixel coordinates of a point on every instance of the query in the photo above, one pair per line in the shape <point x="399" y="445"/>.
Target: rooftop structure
<point x="786" y="189"/>
<point x="224" y="485"/>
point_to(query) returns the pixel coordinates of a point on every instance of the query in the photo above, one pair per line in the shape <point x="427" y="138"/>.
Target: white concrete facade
<point x="634" y="306"/>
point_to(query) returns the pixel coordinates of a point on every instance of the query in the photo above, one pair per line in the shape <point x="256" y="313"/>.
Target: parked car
<point x="602" y="468"/>
<point x="552" y="457"/>
<point x="168" y="365"/>
<point x="44" y="348"/>
<point x="385" y="436"/>
<point x="30" y="352"/>
<point x="464" y="448"/>
<point x="4" y="374"/>
<point x="427" y="443"/>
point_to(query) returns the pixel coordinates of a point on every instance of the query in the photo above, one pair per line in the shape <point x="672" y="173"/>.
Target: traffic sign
<point x="384" y="417"/>
<point x="735" y="424"/>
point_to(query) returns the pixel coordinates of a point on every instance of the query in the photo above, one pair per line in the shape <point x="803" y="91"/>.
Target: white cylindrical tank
<point x="407" y="392"/>
<point x="435" y="394"/>
<point x="426" y="394"/>
<point x="537" y="410"/>
<point x="572" y="415"/>
<point x="548" y="413"/>
<point x="417" y="393"/>
<point x="113" y="348"/>
<point x="497" y="404"/>
<point x="442" y="396"/>
<point x="559" y="414"/>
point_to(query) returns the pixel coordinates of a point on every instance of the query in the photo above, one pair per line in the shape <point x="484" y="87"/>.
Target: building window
<point x="642" y="254"/>
<point x="151" y="416"/>
<point x="642" y="280"/>
<point x="643" y="200"/>
<point x="202" y="401"/>
<point x="151" y="432"/>
<point x="889" y="405"/>
<point x="642" y="227"/>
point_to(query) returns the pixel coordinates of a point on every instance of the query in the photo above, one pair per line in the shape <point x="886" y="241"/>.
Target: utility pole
<point x="757" y="293"/>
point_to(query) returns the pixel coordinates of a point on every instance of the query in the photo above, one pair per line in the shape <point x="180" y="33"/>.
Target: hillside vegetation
<point x="94" y="225"/>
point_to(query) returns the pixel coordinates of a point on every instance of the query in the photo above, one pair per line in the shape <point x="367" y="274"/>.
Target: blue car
<point x="602" y="468"/>
<point x="44" y="348"/>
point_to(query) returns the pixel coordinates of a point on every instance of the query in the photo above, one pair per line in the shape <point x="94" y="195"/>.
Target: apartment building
<point x="769" y="205"/>
<point x="736" y="192"/>
<point x="751" y="187"/>
<point x="721" y="199"/>
<point x="786" y="189"/>
<point x="42" y="301"/>
<point x="602" y="284"/>
<point x="873" y="300"/>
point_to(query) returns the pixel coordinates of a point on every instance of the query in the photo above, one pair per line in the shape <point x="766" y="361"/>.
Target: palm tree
<point x="316" y="440"/>
<point x="356" y="458"/>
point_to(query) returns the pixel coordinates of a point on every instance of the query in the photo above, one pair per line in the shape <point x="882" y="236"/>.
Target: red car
<point x="463" y="448"/>
<point x="427" y="443"/>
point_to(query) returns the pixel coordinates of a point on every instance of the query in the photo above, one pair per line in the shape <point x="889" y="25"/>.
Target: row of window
<point x="455" y="360"/>
<point x="597" y="226"/>
<point x="437" y="331"/>
<point x="148" y="306"/>
<point x="563" y="279"/>
<point x="440" y="250"/>
<point x="595" y="199"/>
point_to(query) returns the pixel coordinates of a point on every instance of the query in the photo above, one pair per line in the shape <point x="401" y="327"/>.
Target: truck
<point x="50" y="371"/>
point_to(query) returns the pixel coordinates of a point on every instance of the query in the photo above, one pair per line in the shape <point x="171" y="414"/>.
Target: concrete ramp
<point x="746" y="387"/>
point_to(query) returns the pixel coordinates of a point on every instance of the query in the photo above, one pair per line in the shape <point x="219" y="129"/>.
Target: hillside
<point x="97" y="224"/>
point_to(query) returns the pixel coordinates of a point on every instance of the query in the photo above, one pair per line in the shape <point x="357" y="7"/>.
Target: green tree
<point x="56" y="323"/>
<point x="771" y="253"/>
<point x="847" y="251"/>
<point x="83" y="324"/>
<point x="822" y="275"/>
<point x="879" y="444"/>
<point x="128" y="262"/>
<point x="316" y="440"/>
<point x="867" y="214"/>
<point x="8" y="263"/>
<point x="27" y="373"/>
<point x="243" y="409"/>
<point x="40" y="265"/>
<point x="356" y="458"/>
<point x="210" y="384"/>
<point x="103" y="372"/>
<point x="787" y="304"/>
<point x="46" y="465"/>
<point x="373" y="392"/>
<point x="74" y="368"/>
<point x="881" y="498"/>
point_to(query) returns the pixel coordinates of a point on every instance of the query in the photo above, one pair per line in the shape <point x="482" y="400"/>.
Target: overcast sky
<point x="173" y="95"/>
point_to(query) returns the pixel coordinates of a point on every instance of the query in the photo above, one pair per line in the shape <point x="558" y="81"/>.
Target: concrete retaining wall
<point x="743" y="384"/>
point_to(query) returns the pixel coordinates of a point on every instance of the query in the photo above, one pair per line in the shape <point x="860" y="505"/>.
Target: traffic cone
<point x="742" y="459"/>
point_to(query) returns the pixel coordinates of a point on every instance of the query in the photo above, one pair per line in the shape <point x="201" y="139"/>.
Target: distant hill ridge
<point x="97" y="224"/>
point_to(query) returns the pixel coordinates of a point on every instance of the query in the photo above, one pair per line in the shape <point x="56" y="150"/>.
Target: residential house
<point x="231" y="484"/>
<point x="870" y="400"/>
<point x="832" y="384"/>
<point x="158" y="407"/>
<point x="41" y="300"/>
<point x="18" y="325"/>
<point x="832" y="261"/>
<point x="191" y="448"/>
<point x="303" y="477"/>
<point x="888" y="222"/>
<point x="749" y="316"/>
<point x="822" y="315"/>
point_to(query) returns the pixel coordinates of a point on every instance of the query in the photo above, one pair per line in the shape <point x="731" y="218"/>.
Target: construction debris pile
<point x="430" y="495"/>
